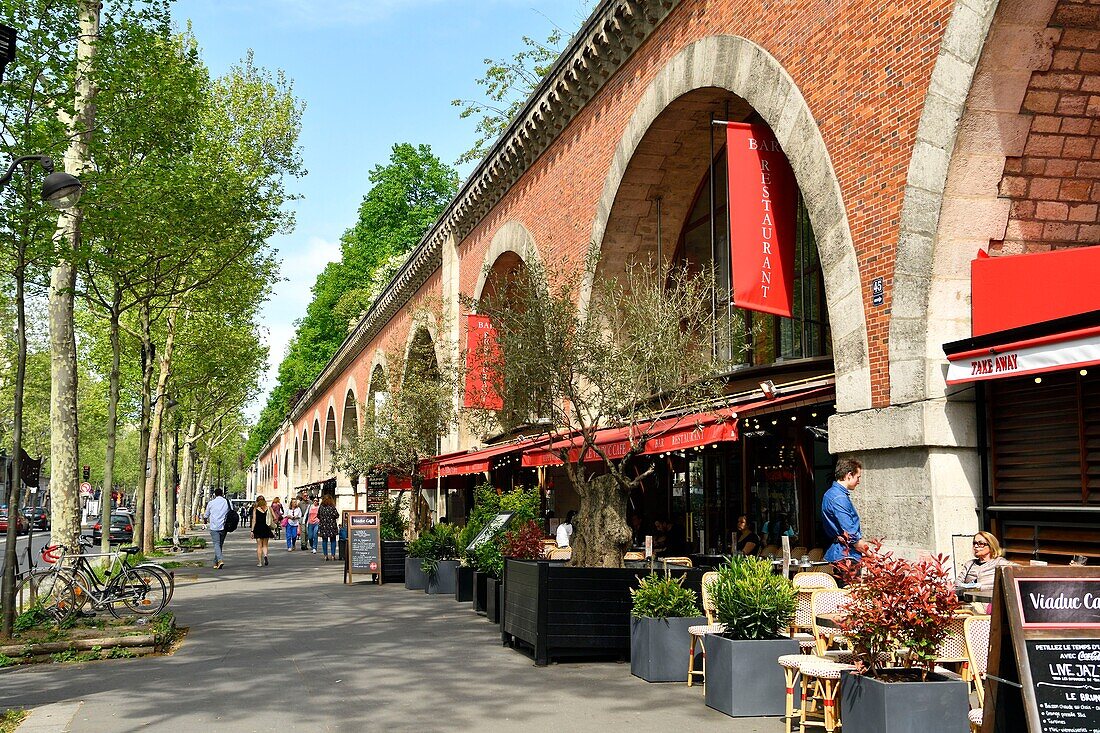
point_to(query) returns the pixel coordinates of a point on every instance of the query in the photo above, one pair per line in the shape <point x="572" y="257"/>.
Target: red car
<point x="20" y="522"/>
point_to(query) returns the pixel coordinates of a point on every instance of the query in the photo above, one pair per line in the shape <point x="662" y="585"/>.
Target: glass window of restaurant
<point x="778" y="470"/>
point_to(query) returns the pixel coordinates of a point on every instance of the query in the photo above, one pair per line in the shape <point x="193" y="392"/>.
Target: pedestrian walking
<point x="214" y="515"/>
<point x="313" y="523"/>
<point x="263" y="528"/>
<point x="278" y="510"/>
<point x="328" y="521"/>
<point x="304" y="502"/>
<point x="244" y="516"/>
<point x="840" y="519"/>
<point x="293" y="519"/>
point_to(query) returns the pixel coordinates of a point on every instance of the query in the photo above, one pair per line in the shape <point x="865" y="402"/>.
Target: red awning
<point x="478" y="461"/>
<point x="670" y="434"/>
<point x="1017" y="352"/>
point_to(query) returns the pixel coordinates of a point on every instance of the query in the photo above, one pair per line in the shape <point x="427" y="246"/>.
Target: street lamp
<point x="60" y="190"/>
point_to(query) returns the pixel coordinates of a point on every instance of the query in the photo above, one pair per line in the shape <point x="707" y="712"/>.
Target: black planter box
<point x="415" y="579"/>
<point x="464" y="584"/>
<point x="442" y="581"/>
<point x="564" y="611"/>
<point x="657" y="647"/>
<point x="492" y="600"/>
<point x="479" y="591"/>
<point x="869" y="705"/>
<point x="393" y="561"/>
<point x="743" y="679"/>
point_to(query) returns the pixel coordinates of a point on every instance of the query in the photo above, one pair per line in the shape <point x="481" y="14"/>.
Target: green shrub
<point x="751" y="600"/>
<point x="392" y="519"/>
<point x="438" y="543"/>
<point x="34" y="616"/>
<point x="522" y="502"/>
<point x="663" y="596"/>
<point x="487" y="558"/>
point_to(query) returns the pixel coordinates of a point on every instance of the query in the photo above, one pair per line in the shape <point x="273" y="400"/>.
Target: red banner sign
<point x="763" y="197"/>
<point x="481" y="347"/>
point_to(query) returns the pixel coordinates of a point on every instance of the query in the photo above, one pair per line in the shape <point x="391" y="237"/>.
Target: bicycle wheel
<point x="168" y="578"/>
<point x="48" y="590"/>
<point x="142" y="591"/>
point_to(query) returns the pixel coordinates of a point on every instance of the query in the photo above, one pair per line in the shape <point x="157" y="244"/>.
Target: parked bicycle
<point x="71" y="583"/>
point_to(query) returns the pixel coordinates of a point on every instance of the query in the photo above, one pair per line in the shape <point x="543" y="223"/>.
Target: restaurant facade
<point x="918" y="135"/>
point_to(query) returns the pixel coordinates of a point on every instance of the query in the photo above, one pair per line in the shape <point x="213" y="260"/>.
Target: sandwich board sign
<point x="1043" y="672"/>
<point x="364" y="551"/>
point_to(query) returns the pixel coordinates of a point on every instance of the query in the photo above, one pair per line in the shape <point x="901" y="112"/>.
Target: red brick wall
<point x="1055" y="185"/>
<point x="864" y="69"/>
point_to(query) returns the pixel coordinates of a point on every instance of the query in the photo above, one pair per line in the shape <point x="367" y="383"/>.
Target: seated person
<point x="668" y="539"/>
<point x="748" y="542"/>
<point x="637" y="530"/>
<point x="988" y="556"/>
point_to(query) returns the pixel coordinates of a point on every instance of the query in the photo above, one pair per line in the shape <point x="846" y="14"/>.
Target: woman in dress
<point x="748" y="542"/>
<point x="329" y="526"/>
<point x="263" y="522"/>
<point x="277" y="509"/>
<point x="293" y="518"/>
<point x="311" y="518"/>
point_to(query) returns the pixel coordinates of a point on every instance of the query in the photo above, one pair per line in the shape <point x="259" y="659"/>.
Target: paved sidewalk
<point x="289" y="647"/>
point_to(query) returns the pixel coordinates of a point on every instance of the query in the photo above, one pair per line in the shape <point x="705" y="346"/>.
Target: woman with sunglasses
<point x="988" y="556"/>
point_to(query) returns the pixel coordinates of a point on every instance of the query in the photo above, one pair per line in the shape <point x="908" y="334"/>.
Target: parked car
<point x="38" y="517"/>
<point x="20" y="522"/>
<point x="122" y="529"/>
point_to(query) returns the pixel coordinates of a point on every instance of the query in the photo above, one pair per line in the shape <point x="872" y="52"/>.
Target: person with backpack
<point x="216" y="516"/>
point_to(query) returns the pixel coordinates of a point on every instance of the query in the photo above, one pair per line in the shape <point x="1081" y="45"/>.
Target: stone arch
<point x="512" y="243"/>
<point x="296" y="468"/>
<point x="747" y="70"/>
<point x="423" y="332"/>
<point x="329" y="446"/>
<point x="952" y="206"/>
<point x="349" y="421"/>
<point x="315" y="452"/>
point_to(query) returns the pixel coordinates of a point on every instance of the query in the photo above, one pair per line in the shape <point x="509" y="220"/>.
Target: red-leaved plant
<point x="524" y="543"/>
<point x="898" y="608"/>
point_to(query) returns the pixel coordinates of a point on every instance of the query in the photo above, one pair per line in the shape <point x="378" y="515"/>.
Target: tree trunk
<point x="148" y="353"/>
<point x="171" y="462"/>
<point x="64" y="461"/>
<point x="112" y="420"/>
<point x="201" y="486"/>
<point x="602" y="535"/>
<point x="15" y="479"/>
<point x="147" y="539"/>
<point x="187" y="478"/>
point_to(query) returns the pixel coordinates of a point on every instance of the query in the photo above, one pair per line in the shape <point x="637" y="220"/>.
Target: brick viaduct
<point x="920" y="131"/>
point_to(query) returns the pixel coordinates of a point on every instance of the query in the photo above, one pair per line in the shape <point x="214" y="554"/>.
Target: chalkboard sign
<point x="364" y="546"/>
<point x="1044" y="659"/>
<point x="377" y="491"/>
<point x="494" y="526"/>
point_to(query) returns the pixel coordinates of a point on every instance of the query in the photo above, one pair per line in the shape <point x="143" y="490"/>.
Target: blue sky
<point x="372" y="73"/>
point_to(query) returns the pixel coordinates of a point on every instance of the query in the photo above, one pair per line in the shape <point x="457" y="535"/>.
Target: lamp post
<point x="61" y="191"/>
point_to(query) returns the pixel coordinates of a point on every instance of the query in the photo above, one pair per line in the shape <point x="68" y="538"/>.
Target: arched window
<point x="753" y="338"/>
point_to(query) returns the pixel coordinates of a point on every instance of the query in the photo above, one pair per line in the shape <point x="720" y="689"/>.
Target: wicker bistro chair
<point x="634" y="556"/>
<point x="825" y="601"/>
<point x="798" y="552"/>
<point x="820" y="684"/>
<point x="976" y="640"/>
<point x="679" y="561"/>
<point x="560" y="553"/>
<point x="816" y="554"/>
<point x="802" y="625"/>
<point x="698" y="633"/>
<point x="952" y="650"/>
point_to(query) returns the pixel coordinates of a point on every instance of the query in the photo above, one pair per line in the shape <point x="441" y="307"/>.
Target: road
<point x="289" y="647"/>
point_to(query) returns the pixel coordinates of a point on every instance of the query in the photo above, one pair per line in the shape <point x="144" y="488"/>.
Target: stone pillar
<point x="921" y="472"/>
<point x="450" y="327"/>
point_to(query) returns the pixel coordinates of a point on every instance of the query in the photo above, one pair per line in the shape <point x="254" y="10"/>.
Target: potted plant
<point x="437" y="550"/>
<point x="489" y="566"/>
<point x="662" y="611"/>
<point x="900" y="609"/>
<point x="393" y="527"/>
<point x="756" y="606"/>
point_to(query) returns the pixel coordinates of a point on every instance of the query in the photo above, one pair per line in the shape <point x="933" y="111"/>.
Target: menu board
<point x="377" y="491"/>
<point x="491" y="528"/>
<point x="1066" y="677"/>
<point x="364" y="553"/>
<point x="1044" y="660"/>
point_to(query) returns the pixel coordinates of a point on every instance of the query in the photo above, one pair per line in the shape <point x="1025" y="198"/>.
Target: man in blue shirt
<point x="215" y="514"/>
<point x="839" y="517"/>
